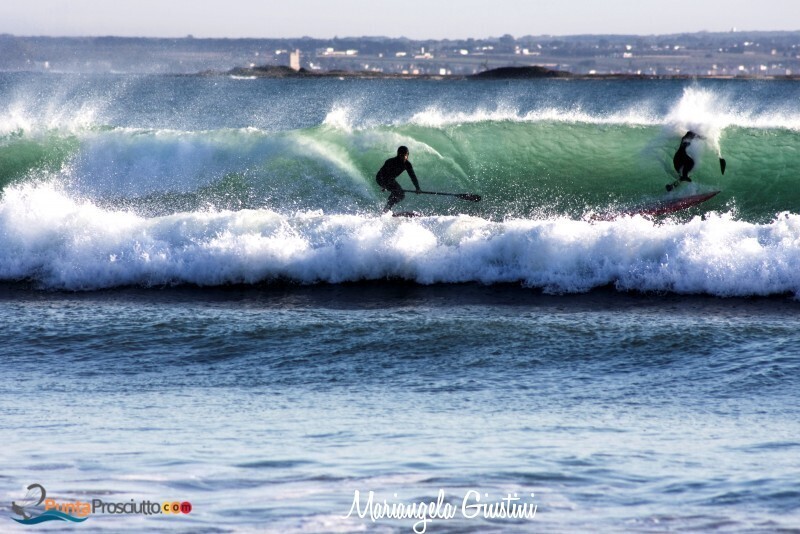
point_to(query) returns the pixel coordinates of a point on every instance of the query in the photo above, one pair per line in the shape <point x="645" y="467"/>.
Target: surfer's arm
<point x="380" y="175"/>
<point x="410" y="171"/>
<point x="381" y="171"/>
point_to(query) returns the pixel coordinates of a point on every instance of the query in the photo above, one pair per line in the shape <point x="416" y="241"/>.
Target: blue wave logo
<point x="32" y="500"/>
<point x="50" y="515"/>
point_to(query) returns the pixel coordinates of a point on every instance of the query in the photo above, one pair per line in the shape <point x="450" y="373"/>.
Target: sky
<point x="415" y="19"/>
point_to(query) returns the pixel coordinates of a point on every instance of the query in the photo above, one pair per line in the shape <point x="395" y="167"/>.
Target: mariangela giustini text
<point x="474" y="505"/>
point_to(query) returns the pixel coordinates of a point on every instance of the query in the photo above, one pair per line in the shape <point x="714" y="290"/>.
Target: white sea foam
<point x="60" y="242"/>
<point x="434" y="117"/>
<point x="37" y="118"/>
<point x="339" y="117"/>
<point x="698" y="108"/>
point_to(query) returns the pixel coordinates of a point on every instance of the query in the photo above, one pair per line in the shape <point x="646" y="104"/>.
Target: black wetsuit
<point x="387" y="178"/>
<point x="682" y="162"/>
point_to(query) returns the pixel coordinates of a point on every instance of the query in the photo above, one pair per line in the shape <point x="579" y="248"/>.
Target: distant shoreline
<point x="727" y="55"/>
<point x="501" y="73"/>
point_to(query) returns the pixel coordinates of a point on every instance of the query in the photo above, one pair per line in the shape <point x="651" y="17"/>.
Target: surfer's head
<point x="402" y="151"/>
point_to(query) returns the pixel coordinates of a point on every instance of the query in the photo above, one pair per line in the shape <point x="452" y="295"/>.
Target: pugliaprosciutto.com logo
<point x="36" y="508"/>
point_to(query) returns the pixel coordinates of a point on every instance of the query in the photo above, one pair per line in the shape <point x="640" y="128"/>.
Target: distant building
<point x="294" y="60"/>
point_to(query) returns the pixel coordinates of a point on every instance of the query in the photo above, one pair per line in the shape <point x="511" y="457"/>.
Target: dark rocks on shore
<point x="509" y="73"/>
<point x="268" y="71"/>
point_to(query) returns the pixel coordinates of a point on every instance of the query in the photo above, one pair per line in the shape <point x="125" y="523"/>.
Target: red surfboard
<point x="661" y="207"/>
<point x="676" y="204"/>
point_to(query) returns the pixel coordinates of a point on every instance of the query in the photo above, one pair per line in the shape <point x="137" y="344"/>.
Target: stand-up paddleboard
<point x="662" y="207"/>
<point x="672" y="205"/>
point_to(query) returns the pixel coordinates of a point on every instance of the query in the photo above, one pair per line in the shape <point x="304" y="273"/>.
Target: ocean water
<point x="202" y="302"/>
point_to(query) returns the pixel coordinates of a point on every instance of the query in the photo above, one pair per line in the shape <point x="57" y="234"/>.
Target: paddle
<point x="722" y="165"/>
<point x="462" y="196"/>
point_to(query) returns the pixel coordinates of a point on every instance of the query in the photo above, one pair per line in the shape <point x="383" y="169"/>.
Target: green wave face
<point x="22" y="155"/>
<point x="521" y="169"/>
<point x="549" y="168"/>
<point x="527" y="149"/>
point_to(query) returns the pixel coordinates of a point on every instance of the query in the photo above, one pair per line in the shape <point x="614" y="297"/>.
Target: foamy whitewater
<point x="67" y="244"/>
<point x="203" y="304"/>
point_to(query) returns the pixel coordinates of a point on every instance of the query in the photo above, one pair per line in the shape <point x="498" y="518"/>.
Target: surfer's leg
<point x="682" y="164"/>
<point x="686" y="168"/>
<point x="396" y="196"/>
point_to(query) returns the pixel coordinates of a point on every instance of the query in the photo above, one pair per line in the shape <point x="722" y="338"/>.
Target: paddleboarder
<point x="387" y="176"/>
<point x="684" y="163"/>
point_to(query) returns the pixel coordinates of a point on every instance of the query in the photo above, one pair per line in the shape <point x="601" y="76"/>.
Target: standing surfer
<point x="387" y="176"/>
<point x="684" y="163"/>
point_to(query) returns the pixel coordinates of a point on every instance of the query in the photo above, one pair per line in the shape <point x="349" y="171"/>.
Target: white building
<point x="294" y="60"/>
